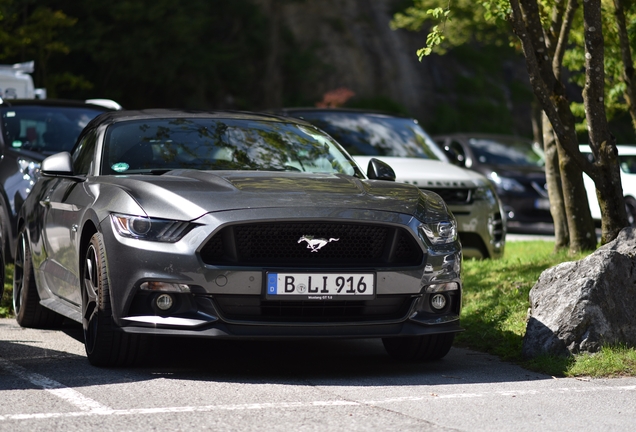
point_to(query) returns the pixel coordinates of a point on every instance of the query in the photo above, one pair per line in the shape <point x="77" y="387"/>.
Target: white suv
<point x="416" y="159"/>
<point x="627" y="160"/>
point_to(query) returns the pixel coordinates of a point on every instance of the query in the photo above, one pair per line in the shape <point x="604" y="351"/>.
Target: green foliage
<point x="33" y="32"/>
<point x="194" y="54"/>
<point x="6" y="302"/>
<point x="458" y="23"/>
<point x="160" y="53"/>
<point x="482" y="46"/>
<point x="574" y="60"/>
<point x="485" y="21"/>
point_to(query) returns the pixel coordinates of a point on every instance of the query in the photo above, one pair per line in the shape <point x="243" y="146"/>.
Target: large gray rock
<point x="581" y="306"/>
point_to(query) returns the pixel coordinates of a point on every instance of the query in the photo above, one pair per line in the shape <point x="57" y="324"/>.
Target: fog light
<point x="164" y="286"/>
<point x="438" y="301"/>
<point x="447" y="286"/>
<point x="164" y="302"/>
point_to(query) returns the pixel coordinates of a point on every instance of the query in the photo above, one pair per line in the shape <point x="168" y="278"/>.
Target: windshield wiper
<point x="156" y="171"/>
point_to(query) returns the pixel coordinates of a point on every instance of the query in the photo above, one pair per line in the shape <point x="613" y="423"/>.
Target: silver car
<point x="232" y="225"/>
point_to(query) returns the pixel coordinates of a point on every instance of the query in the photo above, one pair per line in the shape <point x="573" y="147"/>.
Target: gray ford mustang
<point x="232" y="225"/>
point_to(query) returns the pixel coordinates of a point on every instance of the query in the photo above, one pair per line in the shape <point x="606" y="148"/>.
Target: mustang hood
<point x="189" y="194"/>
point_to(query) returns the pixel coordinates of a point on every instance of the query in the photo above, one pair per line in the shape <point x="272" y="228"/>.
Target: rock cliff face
<point x="365" y="55"/>
<point x="355" y="48"/>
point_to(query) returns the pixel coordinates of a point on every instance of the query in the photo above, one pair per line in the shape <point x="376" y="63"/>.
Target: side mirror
<point x="59" y="164"/>
<point x="454" y="157"/>
<point x="378" y="170"/>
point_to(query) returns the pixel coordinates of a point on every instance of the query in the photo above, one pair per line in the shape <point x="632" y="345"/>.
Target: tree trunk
<point x="606" y="173"/>
<point x="553" y="179"/>
<point x="577" y="208"/>
<point x="550" y="92"/>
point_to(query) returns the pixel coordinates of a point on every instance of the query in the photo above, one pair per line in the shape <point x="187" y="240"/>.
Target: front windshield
<point x="159" y="145"/>
<point x="375" y="134"/>
<point x="43" y="128"/>
<point x="516" y="152"/>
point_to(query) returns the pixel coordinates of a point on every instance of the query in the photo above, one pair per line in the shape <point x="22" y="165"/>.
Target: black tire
<point x="630" y="207"/>
<point x="419" y="348"/>
<point x="105" y="343"/>
<point x="26" y="300"/>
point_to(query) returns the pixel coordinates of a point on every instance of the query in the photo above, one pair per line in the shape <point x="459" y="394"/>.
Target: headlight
<point x="506" y="184"/>
<point x="145" y="228"/>
<point x="442" y="232"/>
<point x="485" y="193"/>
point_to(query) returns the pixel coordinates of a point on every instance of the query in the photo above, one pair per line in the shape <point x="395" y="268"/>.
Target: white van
<point x="16" y="83"/>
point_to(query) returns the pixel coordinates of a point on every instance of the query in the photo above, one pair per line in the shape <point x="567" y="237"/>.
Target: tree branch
<point x="561" y="46"/>
<point x="626" y="57"/>
<point x="594" y="90"/>
<point x="549" y="91"/>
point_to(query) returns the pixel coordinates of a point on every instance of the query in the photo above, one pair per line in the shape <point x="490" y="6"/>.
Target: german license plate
<point x="321" y="286"/>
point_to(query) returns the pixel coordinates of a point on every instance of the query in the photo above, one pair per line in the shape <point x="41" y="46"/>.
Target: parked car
<point x="30" y="130"/>
<point x="514" y="165"/>
<point x="406" y="147"/>
<point x="232" y="225"/>
<point x="627" y="161"/>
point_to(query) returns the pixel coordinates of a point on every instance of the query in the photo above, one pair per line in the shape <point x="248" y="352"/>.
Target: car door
<point x="66" y="202"/>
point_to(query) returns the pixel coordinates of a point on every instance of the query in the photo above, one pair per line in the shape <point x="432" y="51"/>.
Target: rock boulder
<point x="583" y="305"/>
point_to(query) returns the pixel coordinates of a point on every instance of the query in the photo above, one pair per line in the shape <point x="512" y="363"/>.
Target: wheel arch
<point x="88" y="231"/>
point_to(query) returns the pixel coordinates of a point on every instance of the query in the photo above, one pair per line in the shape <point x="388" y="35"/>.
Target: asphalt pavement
<point x="47" y="384"/>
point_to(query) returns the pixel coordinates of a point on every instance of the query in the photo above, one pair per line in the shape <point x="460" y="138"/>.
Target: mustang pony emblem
<point x="315" y="243"/>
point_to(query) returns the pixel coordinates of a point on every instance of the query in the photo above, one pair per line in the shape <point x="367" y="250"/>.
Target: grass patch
<point x="496" y="296"/>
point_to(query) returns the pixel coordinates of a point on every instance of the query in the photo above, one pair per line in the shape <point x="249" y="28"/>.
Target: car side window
<point x="628" y="164"/>
<point x="84" y="154"/>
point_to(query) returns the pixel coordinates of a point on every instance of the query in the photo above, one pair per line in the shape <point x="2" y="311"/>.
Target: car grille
<point x="454" y="195"/>
<point x="254" y="308"/>
<point x="281" y="244"/>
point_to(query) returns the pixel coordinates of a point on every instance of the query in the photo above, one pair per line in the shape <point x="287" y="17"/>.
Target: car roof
<point x="481" y="135"/>
<point x="52" y="103"/>
<point x="127" y="115"/>
<point x="623" y="149"/>
<point x="287" y="111"/>
<point x="111" y="117"/>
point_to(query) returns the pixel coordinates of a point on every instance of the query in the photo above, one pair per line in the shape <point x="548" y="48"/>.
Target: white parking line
<point x="90" y="407"/>
<point x="68" y="394"/>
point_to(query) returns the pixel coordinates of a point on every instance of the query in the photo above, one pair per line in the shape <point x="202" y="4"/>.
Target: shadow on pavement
<point x="358" y="362"/>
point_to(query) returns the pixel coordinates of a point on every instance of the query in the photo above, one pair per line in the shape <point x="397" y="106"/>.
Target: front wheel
<point x="106" y="345"/>
<point x="419" y="348"/>
<point x="26" y="300"/>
